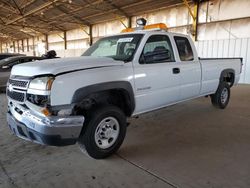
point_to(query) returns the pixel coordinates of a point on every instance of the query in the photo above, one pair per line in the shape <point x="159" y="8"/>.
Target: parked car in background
<point x="6" y="55"/>
<point x="6" y="65"/>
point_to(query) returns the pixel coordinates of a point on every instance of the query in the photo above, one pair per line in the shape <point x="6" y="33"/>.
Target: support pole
<point x="46" y="43"/>
<point x="195" y="15"/>
<point x="18" y="47"/>
<point x="129" y="22"/>
<point x="33" y="44"/>
<point x="22" y="46"/>
<point x="1" y="47"/>
<point x="65" y="40"/>
<point x="196" y="20"/>
<point x="14" y="46"/>
<point x="90" y="35"/>
<point x="28" y="47"/>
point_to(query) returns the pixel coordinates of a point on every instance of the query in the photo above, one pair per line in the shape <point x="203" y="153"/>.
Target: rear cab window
<point x="184" y="48"/>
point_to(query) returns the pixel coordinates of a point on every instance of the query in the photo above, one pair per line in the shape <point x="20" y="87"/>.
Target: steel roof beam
<point x="47" y="22"/>
<point x="78" y="9"/>
<point x="18" y="8"/>
<point x="103" y="12"/>
<point x="31" y="12"/>
<point x="3" y="6"/>
<point x="27" y="4"/>
<point x="85" y="22"/>
<point x="111" y="11"/>
<point x="8" y="7"/>
<point x="31" y="27"/>
<point x="117" y="8"/>
<point x="10" y="27"/>
<point x="5" y="34"/>
<point x="8" y="34"/>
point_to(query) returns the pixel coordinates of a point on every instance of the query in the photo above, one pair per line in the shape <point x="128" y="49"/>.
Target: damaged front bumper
<point x="52" y="130"/>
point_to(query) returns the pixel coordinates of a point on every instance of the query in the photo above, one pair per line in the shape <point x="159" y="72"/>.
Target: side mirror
<point x="142" y="59"/>
<point x="5" y="67"/>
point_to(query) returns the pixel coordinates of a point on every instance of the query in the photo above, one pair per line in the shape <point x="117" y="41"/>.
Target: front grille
<point x="18" y="83"/>
<point x="17" y="96"/>
<point x="17" y="88"/>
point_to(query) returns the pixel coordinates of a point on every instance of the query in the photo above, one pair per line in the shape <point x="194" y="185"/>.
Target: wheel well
<point x="228" y="76"/>
<point x="116" y="97"/>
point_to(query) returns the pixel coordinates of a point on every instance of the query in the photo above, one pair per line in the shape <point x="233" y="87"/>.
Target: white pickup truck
<point x="87" y="99"/>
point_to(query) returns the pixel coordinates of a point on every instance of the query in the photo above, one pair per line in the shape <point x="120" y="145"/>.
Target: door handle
<point x="176" y="70"/>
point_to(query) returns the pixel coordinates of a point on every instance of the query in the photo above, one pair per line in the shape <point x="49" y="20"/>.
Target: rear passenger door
<point x="156" y="83"/>
<point x="190" y="70"/>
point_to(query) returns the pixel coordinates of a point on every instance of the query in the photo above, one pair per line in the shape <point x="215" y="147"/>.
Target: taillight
<point x="241" y="60"/>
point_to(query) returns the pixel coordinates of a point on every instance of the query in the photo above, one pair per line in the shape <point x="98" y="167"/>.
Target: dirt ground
<point x="191" y="144"/>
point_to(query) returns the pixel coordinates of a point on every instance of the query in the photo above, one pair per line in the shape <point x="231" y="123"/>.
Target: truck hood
<point x="63" y="65"/>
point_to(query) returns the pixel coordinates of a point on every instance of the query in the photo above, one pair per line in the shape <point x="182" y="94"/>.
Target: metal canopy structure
<point x="21" y="19"/>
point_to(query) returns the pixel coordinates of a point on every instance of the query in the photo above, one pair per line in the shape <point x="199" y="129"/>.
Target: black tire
<point x="217" y="99"/>
<point x="87" y="138"/>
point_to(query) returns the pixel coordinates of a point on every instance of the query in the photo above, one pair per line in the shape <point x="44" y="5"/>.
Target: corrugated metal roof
<point x="26" y="18"/>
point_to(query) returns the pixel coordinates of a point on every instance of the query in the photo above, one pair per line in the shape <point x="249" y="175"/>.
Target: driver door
<point x="157" y="80"/>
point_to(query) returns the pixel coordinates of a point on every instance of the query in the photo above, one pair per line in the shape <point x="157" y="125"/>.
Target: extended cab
<point x="87" y="99"/>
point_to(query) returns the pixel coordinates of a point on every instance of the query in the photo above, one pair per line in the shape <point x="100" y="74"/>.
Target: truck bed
<point x="212" y="69"/>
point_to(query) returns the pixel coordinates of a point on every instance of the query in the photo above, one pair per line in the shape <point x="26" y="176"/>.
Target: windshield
<point x="120" y="47"/>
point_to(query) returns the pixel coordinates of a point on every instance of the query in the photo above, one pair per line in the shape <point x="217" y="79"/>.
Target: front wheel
<point x="104" y="132"/>
<point x="221" y="98"/>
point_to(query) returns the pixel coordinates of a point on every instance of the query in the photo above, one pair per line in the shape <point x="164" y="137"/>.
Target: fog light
<point x="64" y="112"/>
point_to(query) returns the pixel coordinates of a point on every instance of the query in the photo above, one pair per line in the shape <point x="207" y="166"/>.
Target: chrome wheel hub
<point x="107" y="132"/>
<point x="224" y="95"/>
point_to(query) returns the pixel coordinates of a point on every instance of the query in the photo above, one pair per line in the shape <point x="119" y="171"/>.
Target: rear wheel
<point x="104" y="132"/>
<point x="221" y="98"/>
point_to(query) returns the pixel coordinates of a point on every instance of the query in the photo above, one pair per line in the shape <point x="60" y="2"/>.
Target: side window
<point x="184" y="49"/>
<point x="24" y="60"/>
<point x="157" y="49"/>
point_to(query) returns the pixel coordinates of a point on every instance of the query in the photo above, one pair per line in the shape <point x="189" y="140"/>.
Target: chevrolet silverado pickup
<point x="88" y="99"/>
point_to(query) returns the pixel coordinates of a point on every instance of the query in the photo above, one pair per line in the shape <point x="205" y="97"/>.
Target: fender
<point x="125" y="86"/>
<point x="225" y="72"/>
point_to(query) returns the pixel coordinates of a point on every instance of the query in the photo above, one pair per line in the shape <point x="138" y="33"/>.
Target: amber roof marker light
<point x="141" y="25"/>
<point x="160" y="26"/>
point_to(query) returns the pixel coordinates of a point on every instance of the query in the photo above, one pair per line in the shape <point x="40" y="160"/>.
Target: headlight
<point x="41" y="83"/>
